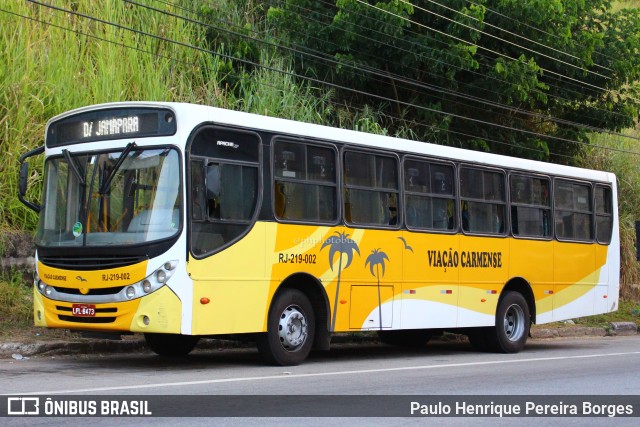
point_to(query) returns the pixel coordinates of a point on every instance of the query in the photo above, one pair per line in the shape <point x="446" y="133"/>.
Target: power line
<point x="142" y="33"/>
<point x="395" y="77"/>
<point x="399" y="119"/>
<point x="453" y="65"/>
<point x="390" y="76"/>
<point x="483" y="48"/>
<point x="535" y="28"/>
<point x="517" y="35"/>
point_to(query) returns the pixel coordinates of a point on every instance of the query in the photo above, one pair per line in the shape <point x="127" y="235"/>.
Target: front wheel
<point x="513" y="321"/>
<point x="290" y="329"/>
<point x="171" y="345"/>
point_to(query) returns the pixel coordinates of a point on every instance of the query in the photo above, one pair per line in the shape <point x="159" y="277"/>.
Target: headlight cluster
<point x="43" y="287"/>
<point x="153" y="282"/>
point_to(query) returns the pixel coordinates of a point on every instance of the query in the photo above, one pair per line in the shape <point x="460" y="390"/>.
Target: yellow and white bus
<point x="182" y="221"/>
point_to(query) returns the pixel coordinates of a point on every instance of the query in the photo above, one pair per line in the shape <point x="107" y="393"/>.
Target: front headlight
<point x="154" y="281"/>
<point x="146" y="286"/>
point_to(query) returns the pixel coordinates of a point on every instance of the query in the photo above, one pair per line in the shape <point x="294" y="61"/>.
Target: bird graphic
<point x="407" y="247"/>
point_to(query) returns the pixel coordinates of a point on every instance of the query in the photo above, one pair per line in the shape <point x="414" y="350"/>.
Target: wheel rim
<point x="514" y="322"/>
<point x="292" y="328"/>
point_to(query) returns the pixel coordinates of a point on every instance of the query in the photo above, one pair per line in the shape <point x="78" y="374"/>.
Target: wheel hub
<point x="514" y="322"/>
<point x="292" y="328"/>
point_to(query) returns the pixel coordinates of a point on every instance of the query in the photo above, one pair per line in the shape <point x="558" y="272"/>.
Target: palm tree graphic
<point x="376" y="259"/>
<point x="342" y="244"/>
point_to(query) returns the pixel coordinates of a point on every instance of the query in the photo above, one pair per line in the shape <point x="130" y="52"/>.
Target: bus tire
<point x="290" y="329"/>
<point x="413" y="338"/>
<point x="171" y="345"/>
<point x="512" y="325"/>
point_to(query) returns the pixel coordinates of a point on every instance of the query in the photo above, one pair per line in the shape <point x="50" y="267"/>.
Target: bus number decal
<point x="296" y="258"/>
<point x="115" y="276"/>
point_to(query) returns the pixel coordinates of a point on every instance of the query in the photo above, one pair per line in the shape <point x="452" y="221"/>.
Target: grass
<point x="16" y="303"/>
<point x="629" y="311"/>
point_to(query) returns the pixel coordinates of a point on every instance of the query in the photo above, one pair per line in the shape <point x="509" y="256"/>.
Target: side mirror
<point x="24" y="175"/>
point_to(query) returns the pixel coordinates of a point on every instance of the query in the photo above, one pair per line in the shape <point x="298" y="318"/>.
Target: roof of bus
<point x="202" y="113"/>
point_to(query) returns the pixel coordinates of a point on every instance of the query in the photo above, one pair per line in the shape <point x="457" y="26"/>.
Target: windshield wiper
<point x="106" y="184"/>
<point x="74" y="167"/>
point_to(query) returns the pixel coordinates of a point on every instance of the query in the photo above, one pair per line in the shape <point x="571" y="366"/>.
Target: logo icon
<point x="23" y="406"/>
<point x="77" y="229"/>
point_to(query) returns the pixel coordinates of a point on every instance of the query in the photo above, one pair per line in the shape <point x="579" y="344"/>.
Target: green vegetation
<point x="16" y="303"/>
<point x="628" y="311"/>
<point x="48" y="70"/>
<point x="437" y="64"/>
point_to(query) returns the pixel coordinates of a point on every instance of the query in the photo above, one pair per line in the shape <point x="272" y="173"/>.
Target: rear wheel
<point x="290" y="329"/>
<point x="414" y="338"/>
<point x="512" y="325"/>
<point x="171" y="345"/>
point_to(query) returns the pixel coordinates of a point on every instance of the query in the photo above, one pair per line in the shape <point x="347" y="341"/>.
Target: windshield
<point x="110" y="198"/>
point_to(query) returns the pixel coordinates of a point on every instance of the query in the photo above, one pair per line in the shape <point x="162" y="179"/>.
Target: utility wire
<point x="517" y="35"/>
<point x="453" y="65"/>
<point x="579" y="82"/>
<point x="534" y="28"/>
<point x="142" y="33"/>
<point x="362" y="109"/>
<point x="386" y="75"/>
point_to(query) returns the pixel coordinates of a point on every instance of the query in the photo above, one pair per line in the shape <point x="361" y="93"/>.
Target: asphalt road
<point x="559" y="367"/>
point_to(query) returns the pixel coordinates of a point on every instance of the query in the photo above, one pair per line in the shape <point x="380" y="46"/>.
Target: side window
<point x="482" y="201"/>
<point x="573" y="211"/>
<point x="231" y="191"/>
<point x="197" y="171"/>
<point x="224" y="187"/>
<point x="604" y="214"/>
<point x="429" y="195"/>
<point x="305" y="182"/>
<point x="530" y="206"/>
<point x="371" y="189"/>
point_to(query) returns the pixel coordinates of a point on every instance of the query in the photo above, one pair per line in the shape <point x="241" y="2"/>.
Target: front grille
<point x="99" y="291"/>
<point x="90" y="263"/>
<point x="86" y="319"/>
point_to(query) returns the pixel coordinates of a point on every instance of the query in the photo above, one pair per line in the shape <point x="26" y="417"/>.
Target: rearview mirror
<point x="24" y="176"/>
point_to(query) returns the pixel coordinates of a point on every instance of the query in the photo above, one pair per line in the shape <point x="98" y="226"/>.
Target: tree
<point x="468" y="73"/>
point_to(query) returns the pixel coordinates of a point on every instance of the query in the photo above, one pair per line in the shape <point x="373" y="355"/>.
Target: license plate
<point x="83" y="310"/>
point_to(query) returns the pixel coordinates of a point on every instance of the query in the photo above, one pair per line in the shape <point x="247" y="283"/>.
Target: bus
<point x="182" y="221"/>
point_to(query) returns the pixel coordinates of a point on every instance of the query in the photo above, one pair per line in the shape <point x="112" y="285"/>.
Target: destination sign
<point x="111" y="124"/>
